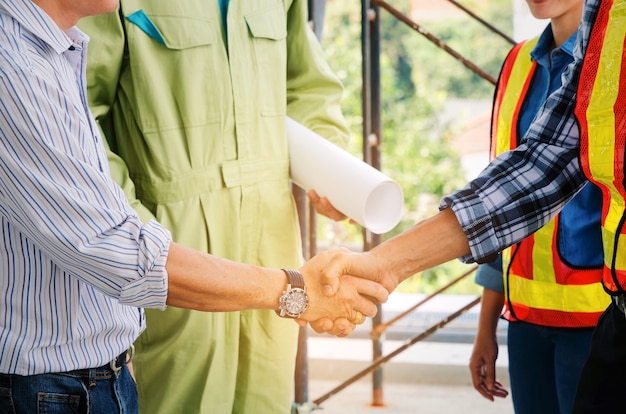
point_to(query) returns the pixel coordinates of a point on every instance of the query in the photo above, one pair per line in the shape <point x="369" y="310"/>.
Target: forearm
<point x="205" y="282"/>
<point x="208" y="283"/>
<point x="427" y="244"/>
<point x="490" y="310"/>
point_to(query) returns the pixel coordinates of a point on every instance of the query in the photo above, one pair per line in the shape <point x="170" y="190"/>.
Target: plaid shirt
<point x="521" y="190"/>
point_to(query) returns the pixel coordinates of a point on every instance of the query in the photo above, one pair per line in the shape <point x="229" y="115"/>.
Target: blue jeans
<point x="545" y="365"/>
<point x="87" y="391"/>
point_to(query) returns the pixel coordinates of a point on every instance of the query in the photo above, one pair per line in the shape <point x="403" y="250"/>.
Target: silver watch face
<point x="294" y="302"/>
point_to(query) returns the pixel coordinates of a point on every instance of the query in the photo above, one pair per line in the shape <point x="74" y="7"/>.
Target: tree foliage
<point x="416" y="79"/>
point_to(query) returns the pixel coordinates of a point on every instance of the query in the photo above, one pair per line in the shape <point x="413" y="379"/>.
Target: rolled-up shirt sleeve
<point x="149" y="289"/>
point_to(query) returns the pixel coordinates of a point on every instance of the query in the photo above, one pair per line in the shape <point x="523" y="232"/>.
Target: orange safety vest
<point x="601" y="114"/>
<point x="539" y="287"/>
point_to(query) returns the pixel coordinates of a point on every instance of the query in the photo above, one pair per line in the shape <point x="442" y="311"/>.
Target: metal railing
<point x="379" y="329"/>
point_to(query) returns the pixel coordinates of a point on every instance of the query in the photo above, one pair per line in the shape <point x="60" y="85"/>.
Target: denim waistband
<point x="109" y="370"/>
<point x="105" y="371"/>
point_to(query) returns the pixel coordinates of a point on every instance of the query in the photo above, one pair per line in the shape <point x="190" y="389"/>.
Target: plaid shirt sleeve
<point x="521" y="190"/>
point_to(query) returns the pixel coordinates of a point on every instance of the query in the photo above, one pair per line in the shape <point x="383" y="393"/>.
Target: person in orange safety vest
<point x="550" y="282"/>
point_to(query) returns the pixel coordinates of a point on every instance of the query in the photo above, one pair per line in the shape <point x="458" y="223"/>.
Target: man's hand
<point x="324" y="207"/>
<point x="338" y="307"/>
<point x="354" y="299"/>
<point x="369" y="265"/>
<point x="339" y="327"/>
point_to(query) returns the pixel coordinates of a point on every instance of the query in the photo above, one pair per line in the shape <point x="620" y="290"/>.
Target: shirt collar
<point x="37" y="21"/>
<point x="546" y="39"/>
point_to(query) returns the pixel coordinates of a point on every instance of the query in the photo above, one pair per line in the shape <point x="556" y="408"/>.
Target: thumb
<point x="330" y="285"/>
<point x="330" y="280"/>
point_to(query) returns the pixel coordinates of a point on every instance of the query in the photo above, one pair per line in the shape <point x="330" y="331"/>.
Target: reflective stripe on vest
<point x="513" y="84"/>
<point x="539" y="287"/>
<point x="600" y="111"/>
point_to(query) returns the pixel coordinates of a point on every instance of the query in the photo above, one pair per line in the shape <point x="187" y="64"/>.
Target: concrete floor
<point x="429" y="377"/>
<point x="407" y="398"/>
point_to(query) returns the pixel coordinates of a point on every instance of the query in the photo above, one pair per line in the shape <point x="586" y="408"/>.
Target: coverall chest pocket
<point x="268" y="29"/>
<point x="172" y="51"/>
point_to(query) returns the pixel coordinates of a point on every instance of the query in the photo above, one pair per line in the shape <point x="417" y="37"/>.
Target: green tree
<point x="474" y="42"/>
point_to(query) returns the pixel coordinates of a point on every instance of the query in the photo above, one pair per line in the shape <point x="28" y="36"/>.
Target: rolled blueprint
<point x="353" y="187"/>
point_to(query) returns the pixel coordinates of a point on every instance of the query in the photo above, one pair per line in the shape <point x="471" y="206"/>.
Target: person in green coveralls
<point x="192" y="98"/>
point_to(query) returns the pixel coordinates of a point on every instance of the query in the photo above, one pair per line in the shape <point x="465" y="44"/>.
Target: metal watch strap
<point x="295" y="278"/>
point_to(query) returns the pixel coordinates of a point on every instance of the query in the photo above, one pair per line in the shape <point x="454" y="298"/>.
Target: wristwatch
<point x="294" y="301"/>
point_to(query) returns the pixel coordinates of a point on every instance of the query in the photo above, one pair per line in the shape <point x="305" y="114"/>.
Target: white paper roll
<point x="354" y="187"/>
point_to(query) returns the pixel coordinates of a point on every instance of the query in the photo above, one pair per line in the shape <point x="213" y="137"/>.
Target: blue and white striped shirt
<point x="76" y="263"/>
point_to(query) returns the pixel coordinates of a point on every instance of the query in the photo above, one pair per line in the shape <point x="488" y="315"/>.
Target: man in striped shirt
<point x="76" y="263"/>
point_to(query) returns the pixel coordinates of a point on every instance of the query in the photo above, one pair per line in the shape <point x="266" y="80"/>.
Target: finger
<point x="490" y="375"/>
<point x="323" y="206"/>
<point x="365" y="265"/>
<point x="322" y="325"/>
<point x="330" y="211"/>
<point x="329" y="276"/>
<point x="358" y="318"/>
<point x="342" y="327"/>
<point x="478" y="380"/>
<point x="315" y="271"/>
<point x="476" y="373"/>
<point x="313" y="196"/>
<point x="501" y="394"/>
<point x="373" y="290"/>
<point x="364" y="303"/>
<point x="482" y="389"/>
<point x="366" y="307"/>
<point x="500" y="391"/>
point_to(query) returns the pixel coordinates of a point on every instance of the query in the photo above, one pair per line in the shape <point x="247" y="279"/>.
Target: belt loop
<point x="115" y="368"/>
<point x="92" y="378"/>
<point x="122" y="359"/>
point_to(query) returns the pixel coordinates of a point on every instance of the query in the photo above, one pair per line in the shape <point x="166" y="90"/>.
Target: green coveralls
<point x="199" y="128"/>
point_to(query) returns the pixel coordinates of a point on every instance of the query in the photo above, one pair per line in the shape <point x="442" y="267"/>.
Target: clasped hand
<point x="342" y="293"/>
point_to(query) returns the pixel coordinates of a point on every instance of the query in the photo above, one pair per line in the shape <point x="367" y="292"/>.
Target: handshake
<point x="333" y="292"/>
<point x="345" y="286"/>
<point x="336" y="290"/>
